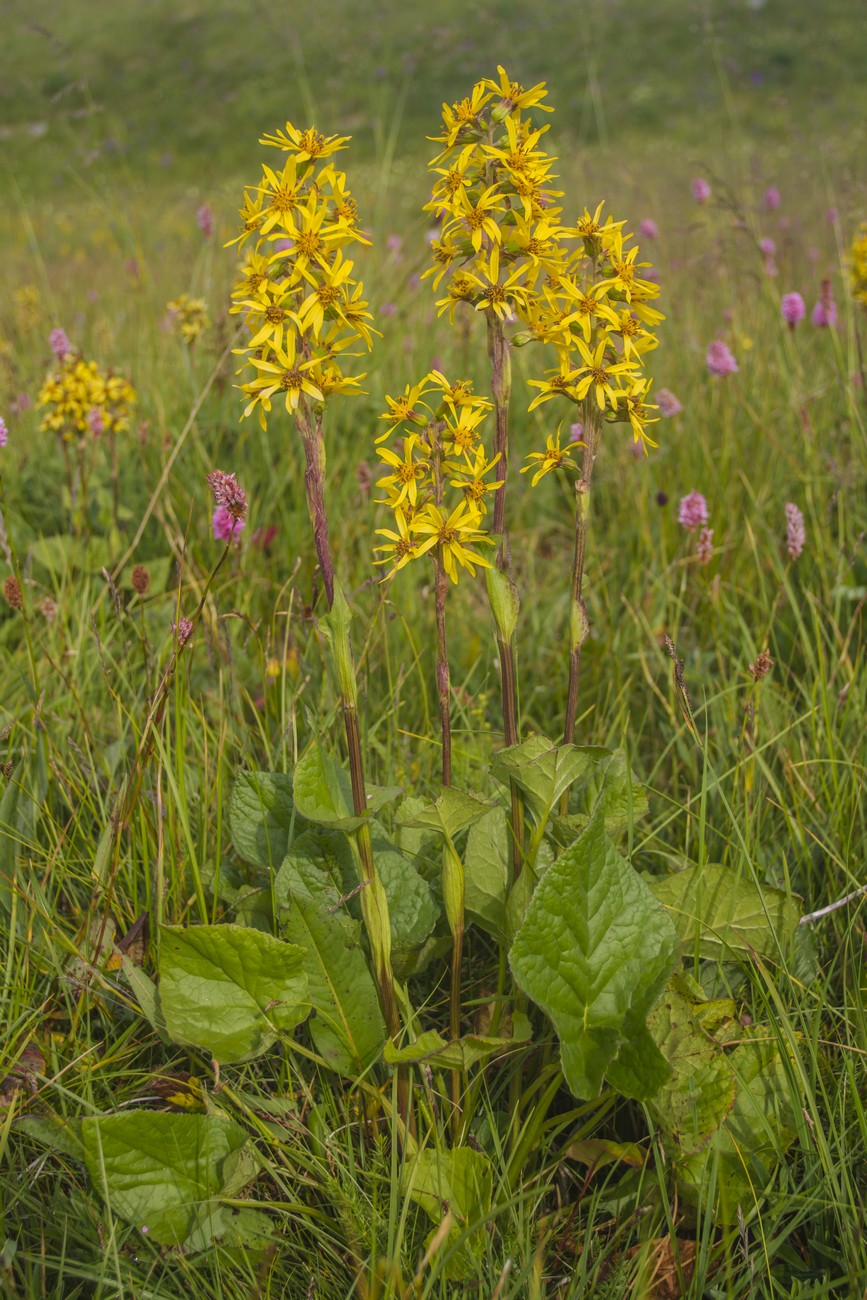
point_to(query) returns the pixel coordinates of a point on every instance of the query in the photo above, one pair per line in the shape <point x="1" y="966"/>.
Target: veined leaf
<point x="727" y="912"/>
<point x="459" y="1054"/>
<point x="454" y="811"/>
<point x="486" y="871"/>
<point x="543" y="770"/>
<point x="323" y="792"/>
<point x="608" y="781"/>
<point x="458" y="1181"/>
<point x="165" y="1173"/>
<point x="262" y="817"/>
<point x="594" y="951"/>
<point x="230" y="990"/>
<point x="347" y="1027"/>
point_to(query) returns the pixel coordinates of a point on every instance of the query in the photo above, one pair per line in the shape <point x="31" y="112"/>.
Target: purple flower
<point x="228" y="493"/>
<point x="832" y="216"/>
<point x="95" y="422"/>
<point x="394" y="243"/>
<point x="667" y="402"/>
<point x="704" y="546"/>
<point x="283" y="245"/>
<point x="388" y="309"/>
<point x="700" y="190"/>
<point x="825" y="314"/>
<point x="785" y="224"/>
<point x="60" y="344"/>
<point x="719" y="359"/>
<point x="693" y="511"/>
<point x="649" y="229"/>
<point x="205" y="218"/>
<point x="796" y="534"/>
<point x="4" y="432"/>
<point x="793" y="309"/>
<point x="226" y="525"/>
<point x="576" y="431"/>
<point x="183" y="630"/>
<point x="772" y="198"/>
<point x="20" y="404"/>
<point x="767" y="247"/>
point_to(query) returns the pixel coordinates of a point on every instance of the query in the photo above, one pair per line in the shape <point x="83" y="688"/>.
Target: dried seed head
<point x="762" y="666"/>
<point x="140" y="579"/>
<point x="12" y="593"/>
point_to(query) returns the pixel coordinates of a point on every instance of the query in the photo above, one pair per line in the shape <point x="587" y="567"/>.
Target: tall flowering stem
<point x="303" y="311"/>
<point x="579" y="622"/>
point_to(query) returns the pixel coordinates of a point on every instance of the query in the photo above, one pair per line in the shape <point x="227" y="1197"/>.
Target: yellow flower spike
<point x="553" y="457"/>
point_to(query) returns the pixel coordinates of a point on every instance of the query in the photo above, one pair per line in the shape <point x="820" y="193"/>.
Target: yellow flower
<point x="462" y="116"/>
<point x="454" y="534"/>
<point x="327" y="296"/>
<point x="462" y="436"/>
<point x="476" y="218"/>
<point x="279" y="373"/>
<point x="403" y="409"/>
<point x="553" y="457"/>
<point x="515" y="96"/>
<point x="470" y="477"/>
<point x="597" y="373"/>
<point x="305" y="146"/>
<point x="407" y="472"/>
<point x="400" y="547"/>
<point x="458" y="394"/>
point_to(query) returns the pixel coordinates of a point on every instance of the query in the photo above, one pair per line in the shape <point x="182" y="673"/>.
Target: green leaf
<point x="454" y="811"/>
<point x="459" y="1181"/>
<point x="262" y="817"/>
<point x="594" y="951"/>
<point x="640" y="1069"/>
<point x="411" y="906"/>
<point x="319" y="865"/>
<point x="323" y="792"/>
<point x="347" y="1028"/>
<point x="693" y="1103"/>
<point x="609" y="781"/>
<point x="165" y="1173"/>
<point x="486" y="872"/>
<point x="542" y="770"/>
<point x="230" y="990"/>
<point x="744" y="1154"/>
<point x="726" y="912"/>
<point x="459" y="1054"/>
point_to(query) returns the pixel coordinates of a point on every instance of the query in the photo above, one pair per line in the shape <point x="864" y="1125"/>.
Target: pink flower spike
<point x="648" y="228"/>
<point x="205" y="219"/>
<point x="95" y="422"/>
<point x="704" y="546"/>
<point x="825" y="314"/>
<point x="796" y="533"/>
<point x="4" y="432"/>
<point x="772" y="198"/>
<point x="720" y="360"/>
<point x="225" y="525"/>
<point x="793" y="309"/>
<point x="667" y="402"/>
<point x="701" y="191"/>
<point x="227" y="492"/>
<point x="693" y="512"/>
<point x="60" y="344"/>
<point x="768" y="247"/>
<point x="576" y="431"/>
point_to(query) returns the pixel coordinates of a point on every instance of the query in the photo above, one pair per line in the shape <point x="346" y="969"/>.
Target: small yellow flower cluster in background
<point x="506" y="250"/>
<point x="858" y="265"/>
<point x="189" y="315"/>
<point x="80" y="400"/>
<point x="300" y="303"/>
<point x="438" y="475"/>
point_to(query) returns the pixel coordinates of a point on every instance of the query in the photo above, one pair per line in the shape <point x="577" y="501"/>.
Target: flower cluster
<point x="507" y="253"/>
<point x="438" y="475"/>
<point x="80" y="399"/>
<point x="299" y="301"/>
<point x="858" y="265"/>
<point x="189" y="316"/>
<point x="230" y="501"/>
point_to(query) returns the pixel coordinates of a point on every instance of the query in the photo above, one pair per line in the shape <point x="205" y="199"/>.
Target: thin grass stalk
<point x="579" y="623"/>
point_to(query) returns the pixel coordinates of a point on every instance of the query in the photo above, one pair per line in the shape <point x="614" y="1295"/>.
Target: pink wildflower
<point x="95" y="422"/>
<point x="792" y="307"/>
<point x="576" y="431"/>
<point x="693" y="511"/>
<point x="225" y="525"/>
<point x="648" y="228"/>
<point x="227" y="491"/>
<point x="394" y="243"/>
<point x="667" y="402"/>
<point x="832" y="216"/>
<point x="4" y="432"/>
<point x="183" y="630"/>
<point x="767" y="247"/>
<point x="772" y="198"/>
<point x="796" y="534"/>
<point x="719" y="359"/>
<point x="825" y="310"/>
<point x="60" y="344"/>
<point x="205" y="219"/>
<point x="704" y="546"/>
<point x="700" y="190"/>
<point x="388" y="309"/>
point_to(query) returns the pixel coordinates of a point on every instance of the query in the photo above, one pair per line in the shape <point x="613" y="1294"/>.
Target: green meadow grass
<point x="152" y="110"/>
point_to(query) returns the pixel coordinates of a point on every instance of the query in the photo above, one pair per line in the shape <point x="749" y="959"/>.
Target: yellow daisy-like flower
<point x="513" y="95"/>
<point x="458" y="394"/>
<point x="470" y="477"/>
<point x="252" y="215"/>
<point x="406" y="472"/>
<point x="403" y="409"/>
<point x="280" y="373"/>
<point x="462" y="436"/>
<point x="476" y="218"/>
<point x="305" y="146"/>
<point x="400" y="547"/>
<point x="598" y="373"/>
<point x="454" y="534"/>
<point x="462" y="116"/>
<point x="553" y="457"/>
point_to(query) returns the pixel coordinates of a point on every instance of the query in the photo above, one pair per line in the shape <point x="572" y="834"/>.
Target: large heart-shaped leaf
<point x="323" y="792"/>
<point x="725" y="911"/>
<point x="347" y="1026"/>
<point x="486" y="872"/>
<point x="230" y="990"/>
<point x="594" y="951"/>
<point x="165" y="1173"/>
<point x="543" y="770"/>
<point x="262" y="817"/>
